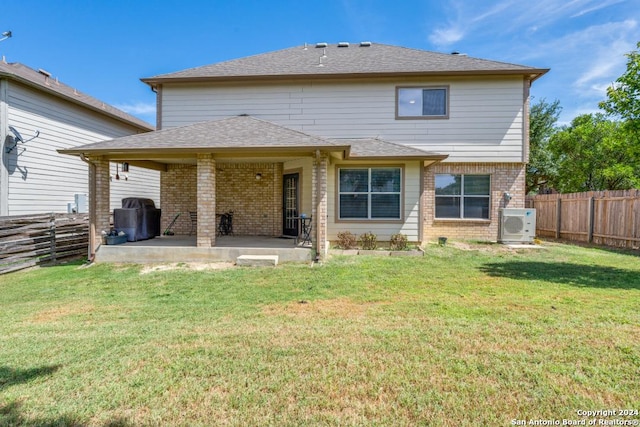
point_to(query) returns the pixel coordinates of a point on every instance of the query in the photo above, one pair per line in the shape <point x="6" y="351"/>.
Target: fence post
<point x="591" y="214"/>
<point x="558" y="216"/>
<point x="52" y="238"/>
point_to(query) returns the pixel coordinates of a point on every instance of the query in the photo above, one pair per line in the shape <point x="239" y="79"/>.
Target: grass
<point x="474" y="335"/>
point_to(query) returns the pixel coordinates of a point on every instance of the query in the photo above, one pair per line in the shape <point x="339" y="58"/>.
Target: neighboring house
<point x="363" y="137"/>
<point x="34" y="177"/>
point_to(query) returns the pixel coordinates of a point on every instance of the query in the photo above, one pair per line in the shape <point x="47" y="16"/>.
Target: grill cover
<point x="139" y="218"/>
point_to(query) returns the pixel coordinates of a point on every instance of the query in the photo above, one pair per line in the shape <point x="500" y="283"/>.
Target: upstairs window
<point x="462" y="196"/>
<point x="422" y="102"/>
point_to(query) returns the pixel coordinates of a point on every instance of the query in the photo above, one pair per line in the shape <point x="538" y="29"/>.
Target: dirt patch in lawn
<point x="488" y="247"/>
<point x="194" y="266"/>
<point x="61" y="312"/>
<point x="338" y="307"/>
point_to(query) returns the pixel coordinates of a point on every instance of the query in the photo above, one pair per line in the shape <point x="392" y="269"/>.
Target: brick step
<point x="257" y="260"/>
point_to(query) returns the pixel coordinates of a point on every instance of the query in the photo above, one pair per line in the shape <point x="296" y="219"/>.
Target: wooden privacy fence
<point x="46" y="239"/>
<point x="610" y="218"/>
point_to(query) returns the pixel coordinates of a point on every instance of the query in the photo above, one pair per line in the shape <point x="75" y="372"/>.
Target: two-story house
<point x="38" y="116"/>
<point x="361" y="137"/>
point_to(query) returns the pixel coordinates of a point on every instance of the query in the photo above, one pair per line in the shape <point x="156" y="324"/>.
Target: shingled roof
<point x="376" y="148"/>
<point x="43" y="81"/>
<point x="232" y="133"/>
<point x="346" y="60"/>
<point x="249" y="135"/>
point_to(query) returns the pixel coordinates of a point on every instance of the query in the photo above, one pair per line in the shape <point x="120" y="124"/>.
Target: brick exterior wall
<point x="257" y="204"/>
<point x="178" y="188"/>
<point x="102" y="197"/>
<point x="505" y="177"/>
<point x="206" y="200"/>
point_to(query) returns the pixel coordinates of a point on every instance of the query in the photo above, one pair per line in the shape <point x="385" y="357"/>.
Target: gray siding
<point x="485" y="120"/>
<point x="40" y="179"/>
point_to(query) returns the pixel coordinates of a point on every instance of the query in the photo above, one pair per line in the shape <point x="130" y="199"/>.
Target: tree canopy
<point x="623" y="97"/>
<point x="542" y="125"/>
<point x="596" y="151"/>
<point x="593" y="153"/>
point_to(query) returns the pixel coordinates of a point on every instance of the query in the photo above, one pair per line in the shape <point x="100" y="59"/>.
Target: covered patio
<point x="268" y="175"/>
<point x="235" y="164"/>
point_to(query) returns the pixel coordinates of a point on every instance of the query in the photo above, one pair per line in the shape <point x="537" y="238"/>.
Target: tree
<point x="623" y="100"/>
<point x="542" y="125"/>
<point x="623" y="97"/>
<point x="594" y="153"/>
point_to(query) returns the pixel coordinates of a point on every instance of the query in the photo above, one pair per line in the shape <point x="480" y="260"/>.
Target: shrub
<point x="368" y="241"/>
<point x="398" y="242"/>
<point x="346" y="240"/>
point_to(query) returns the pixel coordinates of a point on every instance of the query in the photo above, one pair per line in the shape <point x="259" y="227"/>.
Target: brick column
<point x="206" y="201"/>
<point x="277" y="199"/>
<point x="99" y="206"/>
<point x="319" y="178"/>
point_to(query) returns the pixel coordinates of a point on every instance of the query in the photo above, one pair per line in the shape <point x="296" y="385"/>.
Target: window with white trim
<point x="422" y="102"/>
<point x="463" y="196"/>
<point x="369" y="193"/>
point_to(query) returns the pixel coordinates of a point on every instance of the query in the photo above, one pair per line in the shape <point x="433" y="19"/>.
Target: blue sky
<point x="103" y="48"/>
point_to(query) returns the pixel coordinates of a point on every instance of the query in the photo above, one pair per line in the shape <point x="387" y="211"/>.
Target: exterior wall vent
<point x="343" y="44"/>
<point x="365" y="44"/>
<point x="321" y="45"/>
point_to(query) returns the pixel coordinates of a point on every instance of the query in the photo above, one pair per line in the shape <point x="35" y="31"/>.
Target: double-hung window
<point x="463" y="196"/>
<point x="422" y="102"/>
<point x="370" y="193"/>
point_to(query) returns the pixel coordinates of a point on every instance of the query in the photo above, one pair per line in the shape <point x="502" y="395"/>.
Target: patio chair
<point x="194" y="222"/>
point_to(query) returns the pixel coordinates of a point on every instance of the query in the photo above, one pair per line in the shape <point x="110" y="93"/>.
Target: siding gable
<point x="40" y="179"/>
<point x="485" y="123"/>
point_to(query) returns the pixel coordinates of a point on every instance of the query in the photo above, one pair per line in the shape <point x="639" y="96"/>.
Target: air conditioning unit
<point x="517" y="225"/>
<point x="82" y="203"/>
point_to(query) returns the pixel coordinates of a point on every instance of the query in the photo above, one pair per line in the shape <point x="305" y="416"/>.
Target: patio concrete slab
<point x="165" y="249"/>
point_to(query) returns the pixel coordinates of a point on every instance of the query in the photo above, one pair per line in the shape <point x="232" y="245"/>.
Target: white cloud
<point x="596" y="7"/>
<point x="138" y="108"/>
<point x="603" y="65"/>
<point x="446" y="36"/>
<point x="509" y="17"/>
<point x="593" y="57"/>
<point x="500" y="7"/>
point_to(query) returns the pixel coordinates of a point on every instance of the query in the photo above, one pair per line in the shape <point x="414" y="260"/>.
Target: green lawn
<point x="473" y="335"/>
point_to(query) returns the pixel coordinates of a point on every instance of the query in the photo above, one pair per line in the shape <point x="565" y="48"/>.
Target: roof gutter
<point x="152" y="81"/>
<point x="142" y="125"/>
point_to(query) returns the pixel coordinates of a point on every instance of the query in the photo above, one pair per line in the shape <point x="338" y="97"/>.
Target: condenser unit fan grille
<point x="513" y="224"/>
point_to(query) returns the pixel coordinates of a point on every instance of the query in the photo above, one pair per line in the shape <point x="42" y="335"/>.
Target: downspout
<point x="525" y="121"/>
<point x="92" y="208"/>
<point x="4" y="172"/>
<point x="318" y="204"/>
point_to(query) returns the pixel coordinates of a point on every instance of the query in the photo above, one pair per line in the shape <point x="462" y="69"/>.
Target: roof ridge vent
<point x="323" y="44"/>
<point x="46" y="74"/>
<point x="365" y="44"/>
<point x="343" y="44"/>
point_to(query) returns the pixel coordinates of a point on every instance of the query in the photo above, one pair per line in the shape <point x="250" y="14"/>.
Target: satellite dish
<point x="18" y="138"/>
<point x="16" y="135"/>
